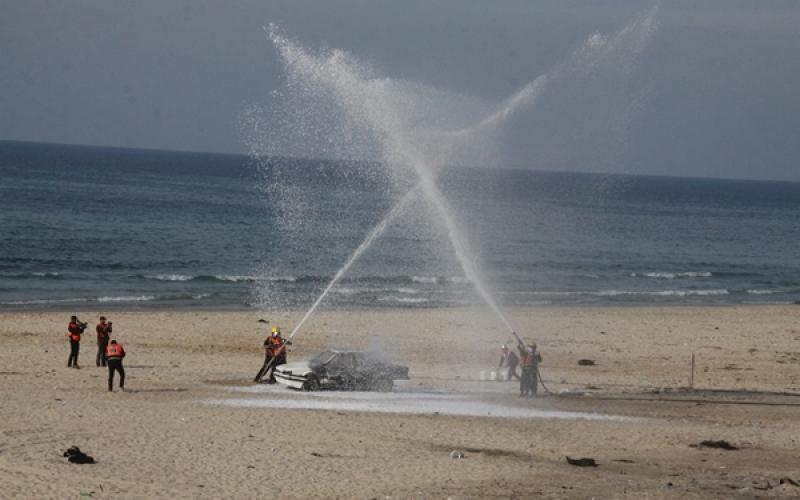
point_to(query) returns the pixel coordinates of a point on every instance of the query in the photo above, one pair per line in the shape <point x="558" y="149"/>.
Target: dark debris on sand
<point x="581" y="462"/>
<point x="721" y="444"/>
<point x="76" y="456"/>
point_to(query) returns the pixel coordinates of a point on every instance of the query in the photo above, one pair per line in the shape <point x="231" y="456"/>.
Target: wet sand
<point x="192" y="425"/>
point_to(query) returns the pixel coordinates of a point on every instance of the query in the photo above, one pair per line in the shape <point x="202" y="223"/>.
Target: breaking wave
<point x="666" y="275"/>
<point x="398" y="279"/>
<point x="133" y="298"/>
<point x="404" y="300"/>
<point x="168" y="277"/>
<point x="435" y="280"/>
<point x="33" y="275"/>
<point x="202" y="277"/>
<point x="663" y="293"/>
<point x="617" y="293"/>
<point x="109" y="299"/>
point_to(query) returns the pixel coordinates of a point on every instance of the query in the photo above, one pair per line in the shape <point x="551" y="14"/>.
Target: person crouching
<point x="114" y="355"/>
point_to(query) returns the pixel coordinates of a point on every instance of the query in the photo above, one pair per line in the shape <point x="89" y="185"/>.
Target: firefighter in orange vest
<point x="529" y="381"/>
<point x="274" y="355"/>
<point x="103" y="334"/>
<point x="74" y="331"/>
<point x="114" y="355"/>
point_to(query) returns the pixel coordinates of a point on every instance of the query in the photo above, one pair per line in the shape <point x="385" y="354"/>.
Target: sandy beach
<point x="173" y="435"/>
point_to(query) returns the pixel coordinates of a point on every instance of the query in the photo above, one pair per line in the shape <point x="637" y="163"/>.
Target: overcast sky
<point x="714" y="92"/>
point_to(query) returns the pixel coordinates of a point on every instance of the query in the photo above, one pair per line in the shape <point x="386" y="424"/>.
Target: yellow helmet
<point x="276" y="329"/>
<point x="532" y="345"/>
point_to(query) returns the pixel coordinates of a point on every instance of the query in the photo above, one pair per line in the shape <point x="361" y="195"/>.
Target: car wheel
<point x="311" y="384"/>
<point x="383" y="385"/>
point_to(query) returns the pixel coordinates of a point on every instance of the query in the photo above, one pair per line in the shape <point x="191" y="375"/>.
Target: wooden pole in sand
<point x="691" y="378"/>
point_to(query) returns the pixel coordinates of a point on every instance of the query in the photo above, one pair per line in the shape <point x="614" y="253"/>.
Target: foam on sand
<point x="396" y="402"/>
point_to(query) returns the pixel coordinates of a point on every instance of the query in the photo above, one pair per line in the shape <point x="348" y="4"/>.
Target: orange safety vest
<point x="114" y="351"/>
<point x="73" y="332"/>
<point x="530" y="359"/>
<point x="103" y="331"/>
<point x="274" y="345"/>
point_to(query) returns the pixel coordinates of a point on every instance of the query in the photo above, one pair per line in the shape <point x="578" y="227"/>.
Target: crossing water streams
<point x="394" y="115"/>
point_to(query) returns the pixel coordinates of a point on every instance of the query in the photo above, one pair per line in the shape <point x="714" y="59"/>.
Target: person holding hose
<point x="530" y="358"/>
<point x="274" y="355"/>
<point x="529" y="381"/>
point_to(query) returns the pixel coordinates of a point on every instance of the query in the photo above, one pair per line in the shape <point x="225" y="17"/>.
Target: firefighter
<point x="511" y="360"/>
<point x="278" y="351"/>
<point x="274" y="355"/>
<point x="103" y="334"/>
<point x="528" y="382"/>
<point x="114" y="355"/>
<point x="74" y="331"/>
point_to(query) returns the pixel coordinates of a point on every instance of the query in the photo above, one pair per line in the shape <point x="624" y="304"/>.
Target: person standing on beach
<point x="114" y="354"/>
<point x="103" y="334"/>
<point x="74" y="331"/>
<point x="511" y="360"/>
<point x="528" y="383"/>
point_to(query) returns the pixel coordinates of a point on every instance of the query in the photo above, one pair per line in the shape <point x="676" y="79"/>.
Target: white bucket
<point x="484" y="375"/>
<point x="492" y="375"/>
<point x="501" y="376"/>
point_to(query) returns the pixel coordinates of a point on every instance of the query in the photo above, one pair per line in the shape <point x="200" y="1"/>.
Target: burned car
<point x="341" y="369"/>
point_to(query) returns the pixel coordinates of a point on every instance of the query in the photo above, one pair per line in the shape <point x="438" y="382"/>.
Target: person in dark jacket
<point x="529" y="381"/>
<point x="74" y="331"/>
<point x="103" y="334"/>
<point x="509" y="359"/>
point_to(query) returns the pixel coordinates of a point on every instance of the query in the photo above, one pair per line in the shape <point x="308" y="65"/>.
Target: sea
<point x="103" y="228"/>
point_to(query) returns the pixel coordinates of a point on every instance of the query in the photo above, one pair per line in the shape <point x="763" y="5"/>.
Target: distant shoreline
<point x="383" y="309"/>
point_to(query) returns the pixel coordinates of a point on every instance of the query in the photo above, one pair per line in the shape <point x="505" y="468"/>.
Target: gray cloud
<point x="712" y="94"/>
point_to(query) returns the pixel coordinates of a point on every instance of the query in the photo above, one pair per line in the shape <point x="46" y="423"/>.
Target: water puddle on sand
<point x="400" y="401"/>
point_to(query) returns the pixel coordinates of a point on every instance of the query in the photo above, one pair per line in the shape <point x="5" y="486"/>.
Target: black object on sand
<point x="581" y="462"/>
<point x="76" y="456"/>
<point x="721" y="444"/>
<point x="586" y="362"/>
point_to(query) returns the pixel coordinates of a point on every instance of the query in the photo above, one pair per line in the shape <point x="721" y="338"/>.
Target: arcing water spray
<point x="377" y="105"/>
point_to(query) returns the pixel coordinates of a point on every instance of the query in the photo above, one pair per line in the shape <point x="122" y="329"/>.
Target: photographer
<point x="74" y="331"/>
<point x="103" y="334"/>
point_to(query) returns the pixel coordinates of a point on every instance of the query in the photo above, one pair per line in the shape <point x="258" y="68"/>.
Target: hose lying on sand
<point x="541" y="381"/>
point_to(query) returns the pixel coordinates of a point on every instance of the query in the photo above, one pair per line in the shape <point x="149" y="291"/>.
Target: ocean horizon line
<point x="248" y="158"/>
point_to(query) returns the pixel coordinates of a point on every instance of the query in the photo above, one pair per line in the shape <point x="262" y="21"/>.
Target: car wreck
<point x="342" y="369"/>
